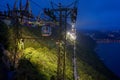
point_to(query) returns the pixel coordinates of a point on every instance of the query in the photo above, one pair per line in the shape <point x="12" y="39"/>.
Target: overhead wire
<point x="37" y="4"/>
<point x="3" y="6"/>
<point x="51" y="3"/>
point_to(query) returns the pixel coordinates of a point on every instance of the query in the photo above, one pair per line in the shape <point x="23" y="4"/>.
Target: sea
<point x="109" y="53"/>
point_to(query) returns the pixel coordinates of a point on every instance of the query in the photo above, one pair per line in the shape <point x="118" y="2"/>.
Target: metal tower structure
<point x="61" y="14"/>
<point x="14" y="15"/>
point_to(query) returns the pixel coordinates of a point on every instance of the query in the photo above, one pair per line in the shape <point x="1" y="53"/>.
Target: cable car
<point x="46" y="31"/>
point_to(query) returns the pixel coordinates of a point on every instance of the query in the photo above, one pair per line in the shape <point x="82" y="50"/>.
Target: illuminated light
<point x="68" y="33"/>
<point x="73" y="25"/>
<point x="71" y="36"/>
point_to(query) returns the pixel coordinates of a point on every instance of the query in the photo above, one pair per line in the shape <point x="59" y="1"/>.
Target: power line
<point x="3" y="6"/>
<point x="36" y="4"/>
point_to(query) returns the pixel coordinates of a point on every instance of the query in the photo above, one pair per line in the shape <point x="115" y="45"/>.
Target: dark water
<point x="110" y="54"/>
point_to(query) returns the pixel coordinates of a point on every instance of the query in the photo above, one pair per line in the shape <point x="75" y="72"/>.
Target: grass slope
<point x="38" y="61"/>
<point x="89" y="65"/>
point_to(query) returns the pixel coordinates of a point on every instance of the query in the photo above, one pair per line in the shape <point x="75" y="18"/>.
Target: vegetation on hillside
<point x="38" y="60"/>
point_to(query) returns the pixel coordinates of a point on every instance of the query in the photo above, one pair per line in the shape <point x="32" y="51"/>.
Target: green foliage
<point x="42" y="53"/>
<point x="43" y="58"/>
<point x="39" y="58"/>
<point x="28" y="71"/>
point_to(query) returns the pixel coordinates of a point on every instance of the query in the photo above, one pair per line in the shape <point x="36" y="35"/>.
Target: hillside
<point x="38" y="59"/>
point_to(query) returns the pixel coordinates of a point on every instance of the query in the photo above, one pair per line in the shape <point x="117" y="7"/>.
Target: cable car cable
<point x="37" y="4"/>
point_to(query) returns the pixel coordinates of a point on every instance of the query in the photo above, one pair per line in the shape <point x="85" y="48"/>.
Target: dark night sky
<point x="92" y="14"/>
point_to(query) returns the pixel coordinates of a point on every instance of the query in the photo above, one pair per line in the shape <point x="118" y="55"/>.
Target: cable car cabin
<point x="46" y="31"/>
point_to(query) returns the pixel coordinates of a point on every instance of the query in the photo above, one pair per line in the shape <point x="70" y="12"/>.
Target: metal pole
<point x="64" y="65"/>
<point x="74" y="62"/>
<point x="75" y="76"/>
<point x="60" y="65"/>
